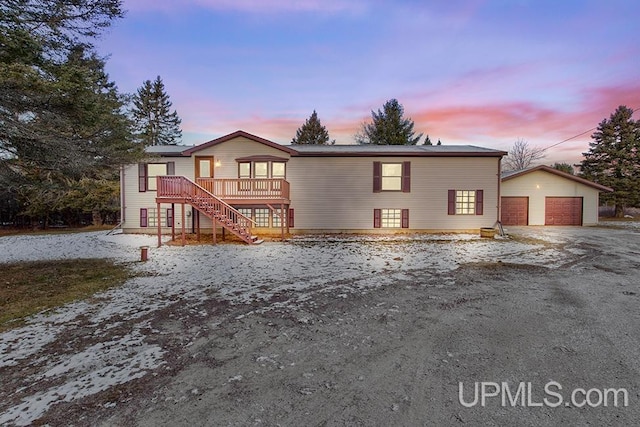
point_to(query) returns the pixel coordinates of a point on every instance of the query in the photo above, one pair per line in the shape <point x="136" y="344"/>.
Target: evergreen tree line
<point x="64" y="127"/>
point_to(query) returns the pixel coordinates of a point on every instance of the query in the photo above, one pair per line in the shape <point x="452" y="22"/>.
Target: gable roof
<point x="506" y="176"/>
<point x="366" y="150"/>
<point x="236" y="134"/>
<point x="344" y="150"/>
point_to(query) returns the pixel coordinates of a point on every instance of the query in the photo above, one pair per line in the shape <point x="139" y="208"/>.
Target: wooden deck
<point x="178" y="189"/>
<point x="248" y="191"/>
<point x="214" y="198"/>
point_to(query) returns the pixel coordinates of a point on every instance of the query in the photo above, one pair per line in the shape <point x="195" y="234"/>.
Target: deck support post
<point x="282" y="220"/>
<point x="159" y="227"/>
<point x="215" y="231"/>
<point x="173" y="221"/>
<point x="183" y="226"/>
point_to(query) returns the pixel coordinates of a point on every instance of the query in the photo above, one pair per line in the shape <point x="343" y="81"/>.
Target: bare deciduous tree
<point x="521" y="156"/>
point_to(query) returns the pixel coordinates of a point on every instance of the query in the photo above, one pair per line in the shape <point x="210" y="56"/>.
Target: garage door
<point x="563" y="211"/>
<point x="514" y="211"/>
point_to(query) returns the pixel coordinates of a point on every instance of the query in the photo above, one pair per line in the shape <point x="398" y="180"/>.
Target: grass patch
<point x="27" y="288"/>
<point x="63" y="230"/>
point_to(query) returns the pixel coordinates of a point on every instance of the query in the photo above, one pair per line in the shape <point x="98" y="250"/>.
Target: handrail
<point x="183" y="188"/>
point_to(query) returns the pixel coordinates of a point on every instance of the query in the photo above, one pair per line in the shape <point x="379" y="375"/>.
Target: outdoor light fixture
<point x="217" y="164"/>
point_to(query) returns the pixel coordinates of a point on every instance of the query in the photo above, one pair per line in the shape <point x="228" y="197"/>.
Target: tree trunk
<point x="96" y="217"/>
<point x="619" y="212"/>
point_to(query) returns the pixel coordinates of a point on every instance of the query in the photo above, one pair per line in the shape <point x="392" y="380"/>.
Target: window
<point x="261" y="170"/>
<point x="152" y="217"/>
<point x="391" y="218"/>
<point x="169" y="217"/>
<point x="246" y="212"/>
<point x="261" y="217"/>
<point x="392" y="177"/>
<point x="143" y="217"/>
<point x="465" y="202"/>
<point x="276" y="218"/>
<point x="278" y="170"/>
<point x="154" y="170"/>
<point x="244" y="170"/>
<point x="147" y="173"/>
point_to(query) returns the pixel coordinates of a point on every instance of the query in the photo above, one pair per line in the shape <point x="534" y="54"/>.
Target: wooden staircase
<point x="180" y="189"/>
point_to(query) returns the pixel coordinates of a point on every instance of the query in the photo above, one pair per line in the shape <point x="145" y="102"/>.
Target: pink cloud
<point x="492" y="124"/>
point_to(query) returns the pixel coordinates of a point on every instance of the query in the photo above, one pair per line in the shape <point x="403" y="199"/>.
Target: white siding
<point x="538" y="185"/>
<point x="336" y="193"/>
<point x="227" y="153"/>
<point x="134" y="200"/>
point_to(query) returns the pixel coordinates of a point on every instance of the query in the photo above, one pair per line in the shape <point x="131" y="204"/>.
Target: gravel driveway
<point x="330" y="330"/>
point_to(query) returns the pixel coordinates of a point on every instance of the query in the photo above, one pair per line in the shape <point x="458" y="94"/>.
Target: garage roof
<point x="514" y="174"/>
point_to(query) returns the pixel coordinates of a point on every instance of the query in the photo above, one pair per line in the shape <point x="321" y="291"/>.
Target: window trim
<point x="404" y="218"/>
<point x="405" y="176"/>
<point x="478" y="203"/>
<point x="143" y="174"/>
<point x="252" y="169"/>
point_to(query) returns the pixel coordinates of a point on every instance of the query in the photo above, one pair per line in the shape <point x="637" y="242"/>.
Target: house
<point x="543" y="195"/>
<point x="246" y="185"/>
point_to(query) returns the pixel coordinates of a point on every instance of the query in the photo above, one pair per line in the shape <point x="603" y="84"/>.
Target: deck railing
<point x="246" y="188"/>
<point x="179" y="187"/>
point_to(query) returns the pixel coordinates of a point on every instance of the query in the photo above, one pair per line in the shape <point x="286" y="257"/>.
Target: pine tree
<point x="439" y="142"/>
<point x="389" y="127"/>
<point x="564" y="167"/>
<point x="613" y="159"/>
<point x="155" y="123"/>
<point x="312" y="132"/>
<point x="427" y="140"/>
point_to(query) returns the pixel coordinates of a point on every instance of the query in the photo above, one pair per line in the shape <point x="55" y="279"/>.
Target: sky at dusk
<point x="467" y="72"/>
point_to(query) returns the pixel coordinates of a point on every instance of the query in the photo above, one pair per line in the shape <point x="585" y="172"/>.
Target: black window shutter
<point x="479" y="202"/>
<point x="377" y="177"/>
<point x="142" y="177"/>
<point x="377" y="214"/>
<point x="405" y="218"/>
<point x="169" y="217"/>
<point x="143" y="217"/>
<point x="291" y="215"/>
<point x="406" y="177"/>
<point x="452" y="202"/>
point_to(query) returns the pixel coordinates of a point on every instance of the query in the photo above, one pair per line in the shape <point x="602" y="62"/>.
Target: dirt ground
<point x="395" y="354"/>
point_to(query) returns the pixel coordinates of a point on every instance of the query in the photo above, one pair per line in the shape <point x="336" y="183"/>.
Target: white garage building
<point x="543" y="195"/>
